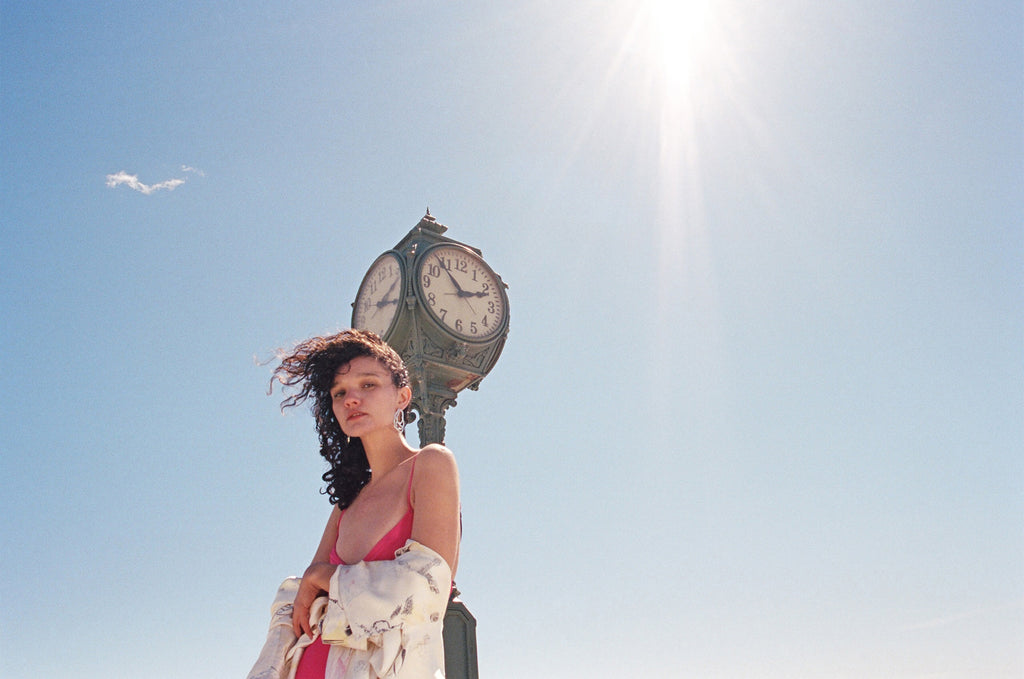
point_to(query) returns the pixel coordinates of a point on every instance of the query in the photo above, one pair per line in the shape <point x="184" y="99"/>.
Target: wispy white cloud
<point x="133" y="183"/>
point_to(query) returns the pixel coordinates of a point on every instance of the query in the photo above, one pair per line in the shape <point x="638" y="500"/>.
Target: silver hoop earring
<point x="400" y="421"/>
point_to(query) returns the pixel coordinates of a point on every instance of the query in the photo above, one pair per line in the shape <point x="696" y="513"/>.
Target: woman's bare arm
<point x="316" y="577"/>
<point x="435" y="498"/>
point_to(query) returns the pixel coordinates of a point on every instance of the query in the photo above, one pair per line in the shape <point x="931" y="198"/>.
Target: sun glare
<point x="680" y="51"/>
<point x="678" y="46"/>
<point x="678" y="34"/>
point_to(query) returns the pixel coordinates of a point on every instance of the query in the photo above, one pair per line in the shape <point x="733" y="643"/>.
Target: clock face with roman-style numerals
<point x="461" y="292"/>
<point x="380" y="293"/>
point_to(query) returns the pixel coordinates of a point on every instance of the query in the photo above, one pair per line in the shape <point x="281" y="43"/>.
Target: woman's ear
<point x="404" y="397"/>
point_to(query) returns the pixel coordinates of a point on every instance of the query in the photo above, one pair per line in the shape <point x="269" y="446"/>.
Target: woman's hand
<point x="316" y="579"/>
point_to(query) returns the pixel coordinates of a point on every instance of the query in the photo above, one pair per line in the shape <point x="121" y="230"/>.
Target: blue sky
<point x="761" y="409"/>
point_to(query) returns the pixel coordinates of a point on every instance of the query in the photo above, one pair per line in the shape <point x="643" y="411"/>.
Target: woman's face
<point x="364" y="398"/>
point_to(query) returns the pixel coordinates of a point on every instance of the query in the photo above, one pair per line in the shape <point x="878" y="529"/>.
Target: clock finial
<point x="428" y="211"/>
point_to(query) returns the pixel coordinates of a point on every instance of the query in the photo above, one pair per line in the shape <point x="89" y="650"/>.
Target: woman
<point x="385" y="493"/>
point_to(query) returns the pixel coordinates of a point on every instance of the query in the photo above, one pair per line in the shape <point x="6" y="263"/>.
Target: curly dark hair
<point x="310" y="368"/>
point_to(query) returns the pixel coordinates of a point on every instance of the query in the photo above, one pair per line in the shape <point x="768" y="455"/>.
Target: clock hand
<point x="384" y="298"/>
<point x="384" y="301"/>
<point x="445" y="269"/>
<point x="467" y="293"/>
<point x="462" y="294"/>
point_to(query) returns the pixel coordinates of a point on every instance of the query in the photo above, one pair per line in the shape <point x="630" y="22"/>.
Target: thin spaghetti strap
<point x="408" y="491"/>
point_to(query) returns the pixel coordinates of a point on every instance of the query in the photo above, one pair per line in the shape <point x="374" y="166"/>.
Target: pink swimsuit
<point x="313" y="663"/>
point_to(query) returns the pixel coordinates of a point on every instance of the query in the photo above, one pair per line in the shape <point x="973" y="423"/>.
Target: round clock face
<point x="462" y="293"/>
<point x="376" y="304"/>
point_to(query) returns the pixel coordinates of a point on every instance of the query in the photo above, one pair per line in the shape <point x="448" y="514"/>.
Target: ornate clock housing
<point x="461" y="293"/>
<point x="443" y="309"/>
<point x="380" y="294"/>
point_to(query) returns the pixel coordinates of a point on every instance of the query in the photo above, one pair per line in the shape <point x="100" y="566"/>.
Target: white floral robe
<point x="383" y="620"/>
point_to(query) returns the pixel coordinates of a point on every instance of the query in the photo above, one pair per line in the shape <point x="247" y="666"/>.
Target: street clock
<point x="379" y="296"/>
<point x="461" y="293"/>
<point x="443" y="308"/>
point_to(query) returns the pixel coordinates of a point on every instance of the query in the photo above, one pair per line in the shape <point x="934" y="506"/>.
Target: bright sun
<point x="678" y="31"/>
<point x="681" y="53"/>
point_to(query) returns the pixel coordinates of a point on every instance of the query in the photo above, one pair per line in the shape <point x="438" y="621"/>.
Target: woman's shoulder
<point x="434" y="463"/>
<point x="435" y="456"/>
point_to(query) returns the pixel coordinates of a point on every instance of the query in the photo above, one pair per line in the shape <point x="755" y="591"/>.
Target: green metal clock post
<point x="442" y="307"/>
